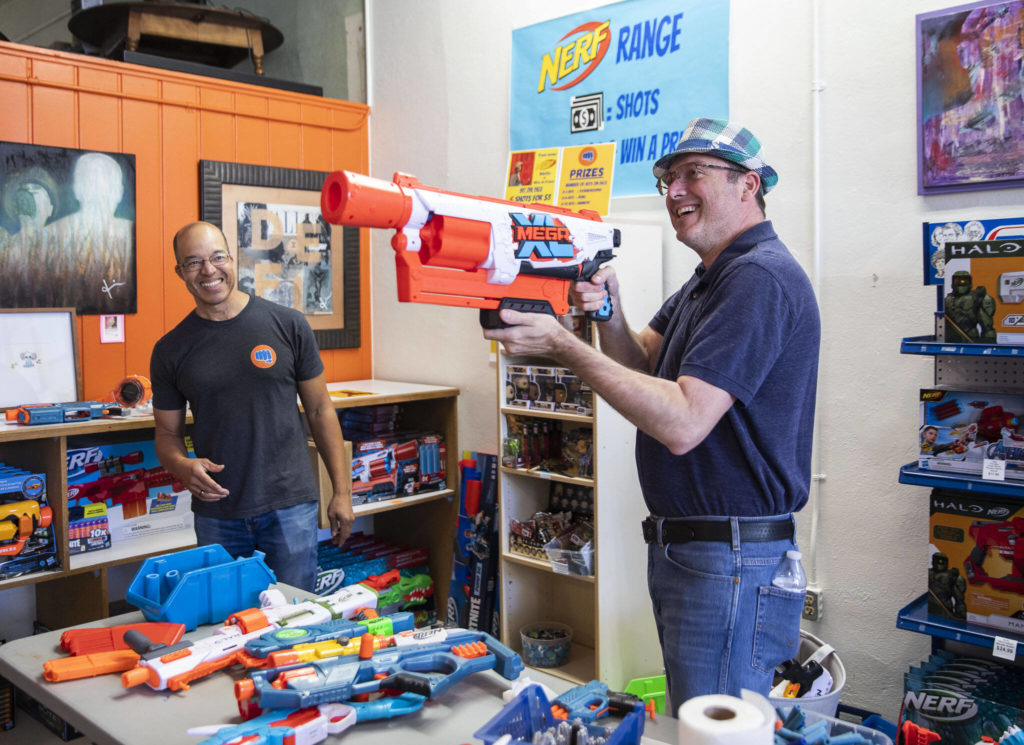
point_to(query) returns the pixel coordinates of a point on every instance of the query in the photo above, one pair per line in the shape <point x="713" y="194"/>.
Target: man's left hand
<point x="340" y="513"/>
<point x="530" y="334"/>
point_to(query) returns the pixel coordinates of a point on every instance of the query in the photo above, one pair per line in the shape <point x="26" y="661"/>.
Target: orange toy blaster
<point x="475" y="252"/>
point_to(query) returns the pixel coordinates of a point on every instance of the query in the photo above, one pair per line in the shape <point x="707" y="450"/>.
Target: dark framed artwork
<point x="67" y="229"/>
<point x="286" y="251"/>
<point x="970" y="107"/>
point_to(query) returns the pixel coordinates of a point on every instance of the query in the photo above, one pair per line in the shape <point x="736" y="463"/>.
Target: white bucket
<point x="829" y="703"/>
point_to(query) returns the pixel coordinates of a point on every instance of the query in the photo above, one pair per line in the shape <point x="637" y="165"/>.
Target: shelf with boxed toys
<point x="568" y="496"/>
<point x="123" y="476"/>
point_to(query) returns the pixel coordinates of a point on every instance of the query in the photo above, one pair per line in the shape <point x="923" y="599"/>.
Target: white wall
<point x="439" y="94"/>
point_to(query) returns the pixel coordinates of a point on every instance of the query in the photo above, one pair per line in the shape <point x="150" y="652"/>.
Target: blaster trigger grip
<point x="491" y="318"/>
<point x="603" y="313"/>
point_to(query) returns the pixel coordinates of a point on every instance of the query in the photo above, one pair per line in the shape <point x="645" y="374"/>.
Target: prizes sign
<point x="633" y="74"/>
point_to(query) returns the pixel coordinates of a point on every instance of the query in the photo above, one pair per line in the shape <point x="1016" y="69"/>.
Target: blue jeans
<point x="287" y="537"/>
<point x="722" y="625"/>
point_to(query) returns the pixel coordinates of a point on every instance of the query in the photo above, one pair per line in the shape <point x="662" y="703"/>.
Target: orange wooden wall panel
<point x="169" y="122"/>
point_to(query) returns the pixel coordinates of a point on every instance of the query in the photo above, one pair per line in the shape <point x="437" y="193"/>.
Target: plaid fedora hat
<point x="723" y="140"/>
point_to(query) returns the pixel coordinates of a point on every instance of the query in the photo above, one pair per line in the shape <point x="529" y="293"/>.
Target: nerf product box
<point x="959" y="700"/>
<point x="403" y="464"/>
<point x="984" y="292"/>
<point x="141" y="498"/>
<point x="27" y="536"/>
<point x="976" y="566"/>
<point x="88" y="528"/>
<point x="959" y="431"/>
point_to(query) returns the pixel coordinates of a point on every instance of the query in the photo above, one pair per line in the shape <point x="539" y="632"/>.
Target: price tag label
<point x="993" y="470"/>
<point x="1004" y="648"/>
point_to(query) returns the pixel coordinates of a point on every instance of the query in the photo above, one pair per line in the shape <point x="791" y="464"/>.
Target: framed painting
<point x="970" y="107"/>
<point x="38" y="356"/>
<point x="286" y="251"/>
<point x="67" y="229"/>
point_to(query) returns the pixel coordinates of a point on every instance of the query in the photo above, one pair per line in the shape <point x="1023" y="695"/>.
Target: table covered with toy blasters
<point x="446" y="697"/>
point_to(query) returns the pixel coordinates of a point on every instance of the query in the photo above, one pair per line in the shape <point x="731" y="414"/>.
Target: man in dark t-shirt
<point x="238" y="362"/>
<point x="721" y="385"/>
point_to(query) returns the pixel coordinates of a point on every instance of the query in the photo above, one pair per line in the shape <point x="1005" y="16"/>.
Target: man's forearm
<point x="620" y="343"/>
<point x="330" y="444"/>
<point x="657" y="406"/>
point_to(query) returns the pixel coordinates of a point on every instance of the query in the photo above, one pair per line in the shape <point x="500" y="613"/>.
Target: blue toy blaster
<point x="60" y="413"/>
<point x="420" y="665"/>
<point x="280" y="640"/>
<point x="310" y="725"/>
<point x="593" y="700"/>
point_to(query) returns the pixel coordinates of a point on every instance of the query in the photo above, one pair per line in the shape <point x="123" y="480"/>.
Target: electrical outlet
<point x="812" y="604"/>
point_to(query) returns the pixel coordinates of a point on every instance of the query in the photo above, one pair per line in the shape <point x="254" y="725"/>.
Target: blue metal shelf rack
<point x="914" y="616"/>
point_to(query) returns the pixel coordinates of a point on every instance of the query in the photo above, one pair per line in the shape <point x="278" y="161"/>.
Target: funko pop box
<point x="983" y="301"/>
<point x="959" y="431"/>
<point x="976" y="567"/>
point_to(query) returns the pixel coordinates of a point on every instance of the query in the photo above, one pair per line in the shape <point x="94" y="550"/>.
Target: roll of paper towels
<point x="727" y="720"/>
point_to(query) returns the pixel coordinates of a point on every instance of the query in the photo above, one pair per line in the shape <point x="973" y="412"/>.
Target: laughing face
<point x="204" y="264"/>
<point x="705" y="204"/>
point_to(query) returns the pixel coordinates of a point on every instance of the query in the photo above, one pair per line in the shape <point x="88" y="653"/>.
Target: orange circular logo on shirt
<point x="263" y="356"/>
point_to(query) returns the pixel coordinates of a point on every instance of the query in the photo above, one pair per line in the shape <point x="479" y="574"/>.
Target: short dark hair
<point x="183" y="228"/>
<point x="734" y="176"/>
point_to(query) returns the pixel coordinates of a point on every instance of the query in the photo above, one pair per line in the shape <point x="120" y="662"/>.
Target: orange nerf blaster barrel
<point x="477" y="252"/>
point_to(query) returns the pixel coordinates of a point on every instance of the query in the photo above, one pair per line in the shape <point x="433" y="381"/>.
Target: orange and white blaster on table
<point x="476" y="252"/>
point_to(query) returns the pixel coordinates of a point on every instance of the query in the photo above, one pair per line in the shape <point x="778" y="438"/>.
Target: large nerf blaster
<point x="476" y="252"/>
<point x="175" y="666"/>
<point x="423" y="663"/>
<point x="59" y="413"/>
<point x="1007" y="539"/>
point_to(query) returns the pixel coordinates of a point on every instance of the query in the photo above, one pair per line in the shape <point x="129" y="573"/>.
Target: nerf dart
<point x="60" y="413"/>
<point x="476" y="252"/>
<point x="427" y="669"/>
<point x="593" y="700"/>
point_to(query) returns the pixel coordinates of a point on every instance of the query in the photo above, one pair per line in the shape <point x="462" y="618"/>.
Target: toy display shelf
<point x="76" y="591"/>
<point x="912" y="474"/>
<point x="929" y="345"/>
<point x="914" y="617"/>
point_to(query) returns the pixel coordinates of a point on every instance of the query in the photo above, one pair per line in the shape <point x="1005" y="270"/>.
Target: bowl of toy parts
<point x="546" y="644"/>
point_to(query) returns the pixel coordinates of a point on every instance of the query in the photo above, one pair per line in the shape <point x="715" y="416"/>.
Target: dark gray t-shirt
<point x="749" y="325"/>
<point x="240" y="377"/>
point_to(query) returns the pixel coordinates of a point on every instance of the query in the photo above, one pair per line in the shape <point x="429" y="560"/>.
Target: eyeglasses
<point x="691" y="173"/>
<point x="194" y="265"/>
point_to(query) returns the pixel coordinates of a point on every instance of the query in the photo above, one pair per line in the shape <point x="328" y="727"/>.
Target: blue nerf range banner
<point x="633" y="73"/>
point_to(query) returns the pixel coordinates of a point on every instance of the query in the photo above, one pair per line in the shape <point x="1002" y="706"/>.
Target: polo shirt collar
<point x="745" y="241"/>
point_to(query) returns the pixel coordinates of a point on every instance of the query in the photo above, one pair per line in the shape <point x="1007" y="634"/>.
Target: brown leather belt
<point x="662" y="530"/>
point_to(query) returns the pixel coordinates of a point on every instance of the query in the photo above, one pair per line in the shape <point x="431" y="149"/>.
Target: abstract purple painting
<point x="970" y="80"/>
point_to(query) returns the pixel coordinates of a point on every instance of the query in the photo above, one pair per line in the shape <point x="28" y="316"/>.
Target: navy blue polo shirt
<point x="749" y="325"/>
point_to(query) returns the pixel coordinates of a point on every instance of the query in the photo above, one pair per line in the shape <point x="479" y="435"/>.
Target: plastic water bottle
<point x="790" y="573"/>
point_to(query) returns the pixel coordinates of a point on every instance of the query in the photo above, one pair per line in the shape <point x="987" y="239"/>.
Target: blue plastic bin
<point x="530" y="712"/>
<point x="200" y="585"/>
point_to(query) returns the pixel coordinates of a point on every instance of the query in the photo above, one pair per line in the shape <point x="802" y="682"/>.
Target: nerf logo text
<point x="587" y="45"/>
<point x="941" y="706"/>
<point x="78" y="457"/>
<point x="540" y="236"/>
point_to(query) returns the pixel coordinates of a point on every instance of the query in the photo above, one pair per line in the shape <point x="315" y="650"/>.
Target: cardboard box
<point x="984" y="292"/>
<point x="51" y="720"/>
<point x="961" y="431"/>
<point x="976" y="562"/>
<point x="142" y="499"/>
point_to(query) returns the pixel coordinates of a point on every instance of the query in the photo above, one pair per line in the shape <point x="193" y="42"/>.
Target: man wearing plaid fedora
<point x="721" y="385"/>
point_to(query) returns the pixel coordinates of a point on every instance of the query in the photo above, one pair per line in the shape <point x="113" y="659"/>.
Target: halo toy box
<point x="976" y="566"/>
<point x="958" y="431"/>
<point x="984" y="292"/>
